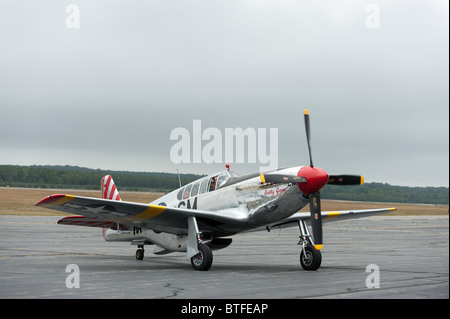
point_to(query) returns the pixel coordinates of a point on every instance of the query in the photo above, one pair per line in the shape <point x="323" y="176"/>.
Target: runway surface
<point x="411" y="253"/>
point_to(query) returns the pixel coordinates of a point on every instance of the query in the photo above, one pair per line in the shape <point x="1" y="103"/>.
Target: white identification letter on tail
<point x="109" y="189"/>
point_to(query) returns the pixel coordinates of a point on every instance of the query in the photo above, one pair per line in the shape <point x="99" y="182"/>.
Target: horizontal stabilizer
<point x="91" y="222"/>
<point x="161" y="251"/>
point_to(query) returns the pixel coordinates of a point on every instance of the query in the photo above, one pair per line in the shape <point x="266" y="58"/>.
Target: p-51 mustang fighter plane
<point x="201" y="216"/>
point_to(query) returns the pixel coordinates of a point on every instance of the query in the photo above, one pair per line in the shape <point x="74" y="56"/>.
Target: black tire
<point x="310" y="258"/>
<point x="203" y="260"/>
<point x="139" y="254"/>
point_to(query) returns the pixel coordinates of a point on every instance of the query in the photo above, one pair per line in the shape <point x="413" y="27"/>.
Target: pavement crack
<point x="175" y="291"/>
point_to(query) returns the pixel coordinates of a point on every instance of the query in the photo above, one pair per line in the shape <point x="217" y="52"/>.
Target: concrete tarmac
<point x="411" y="253"/>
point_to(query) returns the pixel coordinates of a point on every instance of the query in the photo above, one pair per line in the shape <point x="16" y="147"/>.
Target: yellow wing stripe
<point x="332" y="215"/>
<point x="150" y="212"/>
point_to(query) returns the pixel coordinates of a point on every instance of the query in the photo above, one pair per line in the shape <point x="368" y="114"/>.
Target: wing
<point x="332" y="216"/>
<point x="98" y="212"/>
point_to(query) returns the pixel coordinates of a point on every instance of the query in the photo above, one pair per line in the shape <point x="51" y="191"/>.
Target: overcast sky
<point x="107" y="94"/>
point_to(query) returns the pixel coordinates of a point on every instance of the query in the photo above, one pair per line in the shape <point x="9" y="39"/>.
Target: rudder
<point x="109" y="189"/>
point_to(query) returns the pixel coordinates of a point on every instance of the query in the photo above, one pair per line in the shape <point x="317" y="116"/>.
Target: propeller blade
<point x="345" y="180"/>
<point x="316" y="219"/>
<point x="282" y="179"/>
<point x="308" y="135"/>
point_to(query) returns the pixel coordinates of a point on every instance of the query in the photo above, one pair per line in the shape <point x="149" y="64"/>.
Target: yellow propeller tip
<point x="318" y="247"/>
<point x="263" y="179"/>
<point x="362" y="180"/>
<point x="306" y="112"/>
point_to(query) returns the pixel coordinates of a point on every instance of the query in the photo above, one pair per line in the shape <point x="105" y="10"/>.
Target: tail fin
<point x="109" y="189"/>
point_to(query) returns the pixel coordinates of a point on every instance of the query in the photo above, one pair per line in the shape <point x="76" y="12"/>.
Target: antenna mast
<point x="179" y="180"/>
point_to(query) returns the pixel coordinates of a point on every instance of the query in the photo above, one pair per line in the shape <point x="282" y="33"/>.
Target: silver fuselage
<point x="253" y="203"/>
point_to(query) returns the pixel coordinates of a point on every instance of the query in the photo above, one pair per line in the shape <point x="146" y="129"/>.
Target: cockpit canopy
<point x="206" y="184"/>
<point x="223" y="177"/>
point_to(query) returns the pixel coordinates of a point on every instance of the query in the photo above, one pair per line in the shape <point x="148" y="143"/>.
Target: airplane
<point x="201" y="216"/>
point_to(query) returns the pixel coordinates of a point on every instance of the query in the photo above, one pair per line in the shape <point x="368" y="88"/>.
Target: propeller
<point x="316" y="219"/>
<point x="314" y="196"/>
<point x="308" y="136"/>
<point x="311" y="180"/>
<point x="316" y="179"/>
<point x="345" y="180"/>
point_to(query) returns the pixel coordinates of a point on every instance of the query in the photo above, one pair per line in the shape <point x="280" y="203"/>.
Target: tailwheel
<point x="140" y="254"/>
<point x="310" y="258"/>
<point x="203" y="260"/>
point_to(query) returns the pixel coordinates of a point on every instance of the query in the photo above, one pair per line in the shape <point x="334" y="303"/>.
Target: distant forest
<point x="75" y="177"/>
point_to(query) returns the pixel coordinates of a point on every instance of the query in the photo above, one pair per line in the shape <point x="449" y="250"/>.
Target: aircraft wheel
<point x="310" y="258"/>
<point x="140" y="254"/>
<point x="203" y="260"/>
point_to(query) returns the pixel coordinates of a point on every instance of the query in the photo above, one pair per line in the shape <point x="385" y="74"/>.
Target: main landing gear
<point x="140" y="252"/>
<point x="200" y="254"/>
<point x="310" y="257"/>
<point x="203" y="260"/>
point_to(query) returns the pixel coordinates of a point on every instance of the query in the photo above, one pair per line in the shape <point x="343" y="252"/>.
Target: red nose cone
<point x="316" y="179"/>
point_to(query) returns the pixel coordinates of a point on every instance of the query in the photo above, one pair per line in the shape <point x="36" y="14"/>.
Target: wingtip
<point x="49" y="199"/>
<point x="52" y="199"/>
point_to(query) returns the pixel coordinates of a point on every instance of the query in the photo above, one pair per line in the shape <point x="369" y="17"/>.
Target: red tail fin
<point x="109" y="190"/>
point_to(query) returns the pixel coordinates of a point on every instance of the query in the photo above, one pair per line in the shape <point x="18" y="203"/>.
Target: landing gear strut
<point x="200" y="254"/>
<point x="310" y="257"/>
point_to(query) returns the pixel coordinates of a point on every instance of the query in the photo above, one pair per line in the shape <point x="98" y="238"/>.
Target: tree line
<point x="75" y="177"/>
<point x="380" y="192"/>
